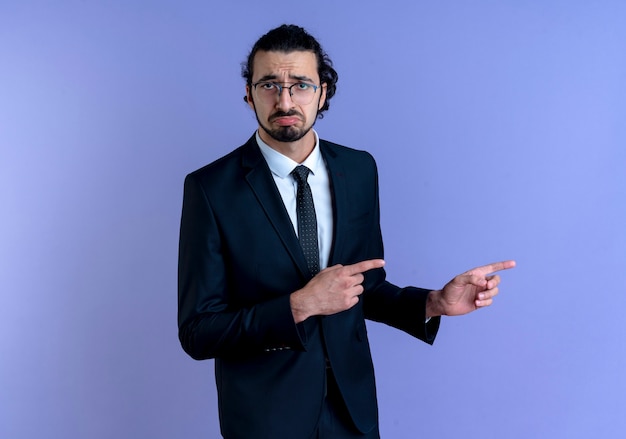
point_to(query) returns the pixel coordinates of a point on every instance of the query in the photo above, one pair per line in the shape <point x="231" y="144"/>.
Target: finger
<point x="363" y="266"/>
<point x="492" y="268"/>
<point x="356" y="290"/>
<point x="471" y="279"/>
<point x="492" y="282"/>
<point x="488" y="294"/>
<point x="357" y="279"/>
<point x="483" y="303"/>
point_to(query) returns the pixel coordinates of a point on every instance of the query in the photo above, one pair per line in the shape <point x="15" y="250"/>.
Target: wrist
<point x="297" y="307"/>
<point x="434" y="306"/>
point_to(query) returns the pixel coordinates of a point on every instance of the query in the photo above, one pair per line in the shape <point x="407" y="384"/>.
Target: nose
<point x="284" y="99"/>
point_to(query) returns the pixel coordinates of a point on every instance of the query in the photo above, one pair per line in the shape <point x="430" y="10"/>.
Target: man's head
<point x="287" y="39"/>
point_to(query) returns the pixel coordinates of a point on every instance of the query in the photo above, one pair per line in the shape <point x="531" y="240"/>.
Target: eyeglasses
<point x="301" y="92"/>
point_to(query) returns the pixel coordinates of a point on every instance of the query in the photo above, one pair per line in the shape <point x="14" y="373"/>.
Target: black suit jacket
<point x="239" y="261"/>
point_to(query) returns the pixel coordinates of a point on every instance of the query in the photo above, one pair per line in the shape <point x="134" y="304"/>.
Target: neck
<point x="297" y="151"/>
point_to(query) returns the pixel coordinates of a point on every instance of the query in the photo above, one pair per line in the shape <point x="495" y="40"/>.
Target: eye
<point x="303" y="86"/>
<point x="268" y="86"/>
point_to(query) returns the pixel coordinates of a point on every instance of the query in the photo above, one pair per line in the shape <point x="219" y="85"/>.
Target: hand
<point x="467" y="292"/>
<point x="332" y="290"/>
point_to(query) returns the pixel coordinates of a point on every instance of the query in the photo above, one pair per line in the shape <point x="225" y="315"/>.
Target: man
<point x="292" y="358"/>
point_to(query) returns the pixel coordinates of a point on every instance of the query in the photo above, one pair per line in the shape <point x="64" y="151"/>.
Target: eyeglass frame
<point x="281" y="87"/>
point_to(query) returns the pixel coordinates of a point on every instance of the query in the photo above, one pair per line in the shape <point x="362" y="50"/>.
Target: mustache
<point x="289" y="113"/>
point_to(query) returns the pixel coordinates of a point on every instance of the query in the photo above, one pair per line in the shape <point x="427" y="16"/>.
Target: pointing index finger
<point x="363" y="266"/>
<point x="492" y="268"/>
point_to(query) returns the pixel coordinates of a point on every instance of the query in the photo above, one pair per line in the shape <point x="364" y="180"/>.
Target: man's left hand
<point x="467" y="292"/>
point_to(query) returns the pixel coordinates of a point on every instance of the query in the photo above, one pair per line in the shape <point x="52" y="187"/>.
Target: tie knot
<point x="301" y="173"/>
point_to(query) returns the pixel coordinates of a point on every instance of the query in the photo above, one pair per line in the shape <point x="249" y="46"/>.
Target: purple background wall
<point x="503" y="123"/>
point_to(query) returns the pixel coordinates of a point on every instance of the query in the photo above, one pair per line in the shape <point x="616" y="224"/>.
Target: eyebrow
<point x="296" y="77"/>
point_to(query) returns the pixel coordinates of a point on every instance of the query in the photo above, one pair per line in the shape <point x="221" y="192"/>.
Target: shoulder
<point x="341" y="152"/>
<point x="246" y="155"/>
<point x="355" y="162"/>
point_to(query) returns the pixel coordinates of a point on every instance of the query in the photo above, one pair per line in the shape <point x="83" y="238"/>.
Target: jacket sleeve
<point x="210" y="324"/>
<point x="401" y="308"/>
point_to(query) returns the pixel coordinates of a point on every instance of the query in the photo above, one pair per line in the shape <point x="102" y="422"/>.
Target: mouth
<point x="285" y="119"/>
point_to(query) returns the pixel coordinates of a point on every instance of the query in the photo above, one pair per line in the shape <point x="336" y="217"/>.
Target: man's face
<point x="283" y="117"/>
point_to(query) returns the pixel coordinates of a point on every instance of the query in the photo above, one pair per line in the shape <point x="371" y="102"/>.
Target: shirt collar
<point x="281" y="165"/>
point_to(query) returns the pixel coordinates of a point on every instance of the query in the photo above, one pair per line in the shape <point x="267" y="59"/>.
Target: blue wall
<point x="502" y="122"/>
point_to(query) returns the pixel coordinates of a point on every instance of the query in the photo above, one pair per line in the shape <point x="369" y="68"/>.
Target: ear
<point x="322" y="100"/>
<point x="248" y="97"/>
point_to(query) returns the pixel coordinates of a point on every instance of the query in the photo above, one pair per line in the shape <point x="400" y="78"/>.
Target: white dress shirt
<point x="281" y="167"/>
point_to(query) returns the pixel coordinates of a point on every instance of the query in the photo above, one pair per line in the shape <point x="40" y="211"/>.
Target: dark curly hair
<point x="289" y="38"/>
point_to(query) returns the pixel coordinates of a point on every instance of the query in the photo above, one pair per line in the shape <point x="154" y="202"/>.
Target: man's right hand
<point x="332" y="290"/>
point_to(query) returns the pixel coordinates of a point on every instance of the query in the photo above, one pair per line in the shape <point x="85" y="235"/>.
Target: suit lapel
<point x="259" y="177"/>
<point x="337" y="176"/>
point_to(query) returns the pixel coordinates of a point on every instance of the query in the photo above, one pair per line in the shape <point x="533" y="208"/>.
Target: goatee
<point x="285" y="133"/>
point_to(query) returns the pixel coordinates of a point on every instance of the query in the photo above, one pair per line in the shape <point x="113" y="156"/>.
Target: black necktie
<point x="307" y="221"/>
